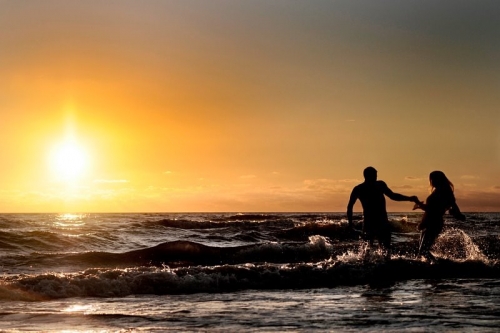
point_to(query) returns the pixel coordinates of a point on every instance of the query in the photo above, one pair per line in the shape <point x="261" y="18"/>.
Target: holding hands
<point x="414" y="198"/>
<point x="418" y="203"/>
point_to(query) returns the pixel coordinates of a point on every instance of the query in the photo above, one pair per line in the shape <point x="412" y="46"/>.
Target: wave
<point x="226" y="223"/>
<point x="160" y="281"/>
<point x="48" y="241"/>
<point x="248" y="220"/>
<point x="306" y="243"/>
<point x="186" y="253"/>
<point x="183" y="254"/>
<point x="253" y="217"/>
<point x="32" y="240"/>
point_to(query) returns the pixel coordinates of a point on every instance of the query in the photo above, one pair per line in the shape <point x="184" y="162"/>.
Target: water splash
<point x="319" y="241"/>
<point x="348" y="257"/>
<point x="365" y="254"/>
<point x="456" y="244"/>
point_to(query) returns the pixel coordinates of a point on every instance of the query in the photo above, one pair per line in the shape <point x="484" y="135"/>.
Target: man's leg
<point x="365" y="247"/>
<point x="384" y="240"/>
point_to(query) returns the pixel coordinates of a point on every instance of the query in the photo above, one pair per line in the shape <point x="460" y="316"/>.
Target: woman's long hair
<point x="439" y="180"/>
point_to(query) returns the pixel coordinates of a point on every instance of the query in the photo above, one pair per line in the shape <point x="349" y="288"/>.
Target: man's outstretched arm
<point x="350" y="205"/>
<point x="399" y="197"/>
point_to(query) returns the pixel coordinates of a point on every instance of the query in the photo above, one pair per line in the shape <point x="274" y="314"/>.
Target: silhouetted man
<point x="375" y="221"/>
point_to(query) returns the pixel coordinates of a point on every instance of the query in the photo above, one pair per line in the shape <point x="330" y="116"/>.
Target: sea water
<point x="243" y="272"/>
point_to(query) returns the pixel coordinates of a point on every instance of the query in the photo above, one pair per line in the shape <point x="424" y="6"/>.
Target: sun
<point x="68" y="161"/>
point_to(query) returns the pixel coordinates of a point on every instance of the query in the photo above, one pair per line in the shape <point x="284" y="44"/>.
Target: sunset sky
<point x="194" y="105"/>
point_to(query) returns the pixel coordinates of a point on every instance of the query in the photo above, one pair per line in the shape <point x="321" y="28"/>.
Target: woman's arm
<point x="420" y="205"/>
<point x="455" y="212"/>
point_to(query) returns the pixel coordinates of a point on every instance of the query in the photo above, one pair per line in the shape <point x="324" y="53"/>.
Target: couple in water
<point x="372" y="194"/>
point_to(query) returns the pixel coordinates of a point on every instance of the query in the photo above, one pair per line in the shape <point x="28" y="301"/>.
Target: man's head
<point x="370" y="174"/>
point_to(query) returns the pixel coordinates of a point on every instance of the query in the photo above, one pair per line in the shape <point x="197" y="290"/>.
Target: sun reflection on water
<point x="69" y="220"/>
<point x="79" y="308"/>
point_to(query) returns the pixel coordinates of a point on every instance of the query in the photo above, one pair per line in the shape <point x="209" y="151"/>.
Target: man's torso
<point x="371" y="195"/>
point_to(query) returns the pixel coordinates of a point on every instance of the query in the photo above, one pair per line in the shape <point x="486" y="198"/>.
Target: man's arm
<point x="350" y="205"/>
<point x="397" y="196"/>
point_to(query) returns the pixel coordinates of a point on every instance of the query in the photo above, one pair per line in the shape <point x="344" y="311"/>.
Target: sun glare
<point x="69" y="161"/>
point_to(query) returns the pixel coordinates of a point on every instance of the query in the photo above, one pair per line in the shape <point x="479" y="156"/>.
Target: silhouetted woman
<point x="438" y="202"/>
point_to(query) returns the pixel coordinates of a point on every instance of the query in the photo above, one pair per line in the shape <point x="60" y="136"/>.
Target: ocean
<point x="227" y="272"/>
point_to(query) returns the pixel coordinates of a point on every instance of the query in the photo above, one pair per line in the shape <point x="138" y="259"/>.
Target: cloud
<point x="325" y="185"/>
<point x="350" y="180"/>
<point x="468" y="177"/>
<point x="248" y="176"/>
<point x="403" y="187"/>
<point x="110" y="181"/>
<point x="323" y="182"/>
<point x="413" y="178"/>
<point x="167" y="172"/>
<point x="479" y="200"/>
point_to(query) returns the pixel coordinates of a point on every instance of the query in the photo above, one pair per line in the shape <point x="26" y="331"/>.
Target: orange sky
<point x="246" y="105"/>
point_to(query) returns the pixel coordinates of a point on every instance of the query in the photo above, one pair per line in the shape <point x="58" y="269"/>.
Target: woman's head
<point x="439" y="180"/>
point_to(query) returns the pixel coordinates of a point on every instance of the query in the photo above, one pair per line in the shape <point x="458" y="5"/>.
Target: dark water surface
<point x="247" y="272"/>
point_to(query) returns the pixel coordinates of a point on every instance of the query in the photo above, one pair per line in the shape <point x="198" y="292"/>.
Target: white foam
<point x="456" y="244"/>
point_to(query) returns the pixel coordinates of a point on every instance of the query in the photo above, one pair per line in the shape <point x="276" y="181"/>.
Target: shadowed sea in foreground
<point x="246" y="272"/>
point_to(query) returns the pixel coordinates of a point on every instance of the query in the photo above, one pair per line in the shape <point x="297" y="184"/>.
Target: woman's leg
<point x="427" y="239"/>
